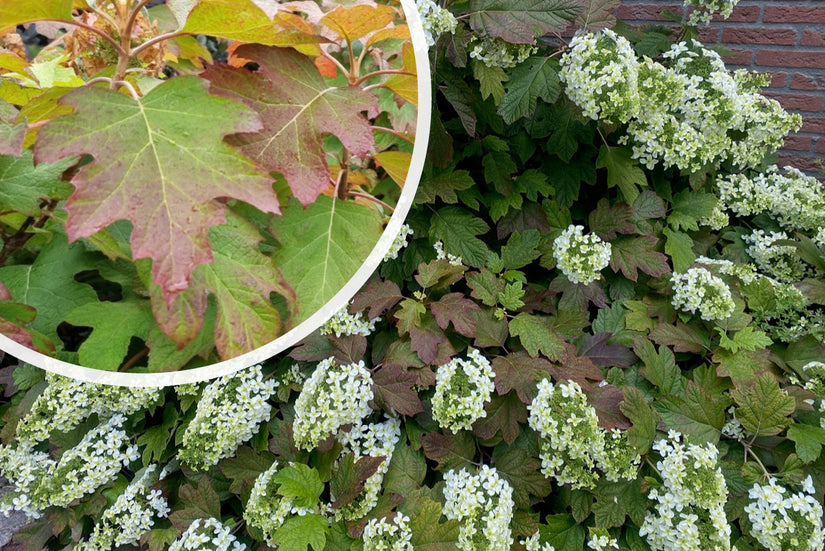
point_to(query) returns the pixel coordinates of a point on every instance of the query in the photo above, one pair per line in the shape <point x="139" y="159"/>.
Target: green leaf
<point x="688" y="207"/>
<point x="562" y="532"/>
<point x="537" y="335"/>
<point x="486" y="286"/>
<point x="348" y="478"/>
<point x="491" y="80"/>
<point x="615" y="500"/>
<point x="113" y="326"/>
<point x="636" y="408"/>
<point x="743" y="365"/>
<point x="521" y="249"/>
<point x="764" y="408"/>
<point x="809" y="440"/>
<point x="161" y="163"/>
<point x="523" y="472"/>
<point x="428" y="532"/>
<point x="536" y="78"/>
<point x="334" y="237"/>
<point x="700" y="415"/>
<point x="23" y="11"/>
<point x="301" y="482"/>
<point x="566" y="132"/>
<point x="520" y="21"/>
<point x="449" y="451"/>
<point x="48" y="284"/>
<point x="444" y="186"/>
<point x="298" y="108"/>
<point x="631" y="254"/>
<point x="26" y="376"/>
<point x="12" y="133"/>
<point x="406" y="471"/>
<point x="607" y="220"/>
<point x="622" y="171"/>
<point x="745" y="339"/>
<point x="660" y="367"/>
<point x="498" y="170"/>
<point x="202" y="502"/>
<point x="679" y="246"/>
<point x="245" y="467"/>
<point x="23" y="186"/>
<point x="458" y="229"/>
<point x="298" y="532"/>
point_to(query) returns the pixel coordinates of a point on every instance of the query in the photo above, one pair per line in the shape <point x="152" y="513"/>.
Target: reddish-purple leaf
<point x="603" y="354"/>
<point x="631" y="254"/>
<point x="608" y="220"/>
<point x="161" y="163"/>
<point x="683" y="338"/>
<point x="427" y="338"/>
<point x="606" y="400"/>
<point x="457" y="309"/>
<point x="394" y="390"/>
<point x="450" y="451"/>
<point x="520" y="372"/>
<point x="298" y="108"/>
<point x="576" y="368"/>
<point x="348" y="349"/>
<point x="504" y="413"/>
<point x="377" y="295"/>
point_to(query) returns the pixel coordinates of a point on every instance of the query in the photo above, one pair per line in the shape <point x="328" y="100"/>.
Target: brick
<point x="709" y="35"/>
<point x="820" y="145"/>
<point x="798" y="102"/>
<point x="739" y="57"/>
<point x="741" y="14"/>
<point x="778" y="80"/>
<point x="814" y="125"/>
<point x="756" y="35"/>
<point x="807" y="164"/>
<point x="793" y="14"/>
<point x="798" y="143"/>
<point x="790" y="58"/>
<point x="646" y="12"/>
<point x="812" y="37"/>
<point x="801" y="81"/>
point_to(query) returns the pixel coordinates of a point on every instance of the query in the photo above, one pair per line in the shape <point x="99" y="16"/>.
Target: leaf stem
<point x="133" y="360"/>
<point x="336" y="62"/>
<point x="133" y="16"/>
<point x="105" y="16"/>
<point x="395" y="133"/>
<point x="91" y="29"/>
<point x="372" y="198"/>
<point x="159" y="38"/>
<point x="382" y="72"/>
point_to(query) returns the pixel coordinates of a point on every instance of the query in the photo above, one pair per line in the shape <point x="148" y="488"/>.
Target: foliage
<point x="177" y="161"/>
<point x="703" y="427"/>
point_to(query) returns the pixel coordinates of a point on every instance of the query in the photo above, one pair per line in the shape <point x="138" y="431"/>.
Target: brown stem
<point x="373" y="199"/>
<point x="91" y="29"/>
<point x="105" y="16"/>
<point x="336" y="62"/>
<point x="159" y="38"/>
<point x="21" y="236"/>
<point x="383" y="72"/>
<point x="133" y="360"/>
<point x="395" y="133"/>
<point x="133" y="16"/>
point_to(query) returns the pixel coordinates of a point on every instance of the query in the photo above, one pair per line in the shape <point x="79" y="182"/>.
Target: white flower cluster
<point x="779" y="261"/>
<point x="441" y="255"/>
<point x="266" y="510"/>
<point x="229" y="412"/>
<point x="381" y="535"/>
<point x="495" y="52"/>
<point x="343" y="323"/>
<point x="717" y="219"/>
<point x="131" y="516"/>
<point x="483" y="503"/>
<point x="573" y="445"/>
<point x="690" y="507"/>
<point x="25" y="469"/>
<point x="795" y="200"/>
<point x="601" y="540"/>
<point x="400" y="240"/>
<point x="698" y="289"/>
<point x="819" y="238"/>
<point x="792" y="523"/>
<point x="332" y="397"/>
<point x="435" y="20"/>
<point x="815" y="383"/>
<point x="732" y="427"/>
<point x="94" y="461"/>
<point x="207" y="535"/>
<point x="67" y="402"/>
<point x="533" y="543"/>
<point x="461" y="389"/>
<point x="704" y="10"/>
<point x="689" y="112"/>
<point x="581" y="257"/>
<point x="373" y="440"/>
<point x="600" y="72"/>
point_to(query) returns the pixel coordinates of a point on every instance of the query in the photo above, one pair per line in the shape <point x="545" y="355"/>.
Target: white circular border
<point x="294" y="336"/>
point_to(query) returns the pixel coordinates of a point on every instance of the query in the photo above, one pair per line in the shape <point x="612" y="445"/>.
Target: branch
<point x="372" y="198"/>
<point x="159" y="38"/>
<point x="395" y="133"/>
<point x="91" y="29"/>
<point x="133" y="16"/>
<point x="133" y="360"/>
<point x="383" y="72"/>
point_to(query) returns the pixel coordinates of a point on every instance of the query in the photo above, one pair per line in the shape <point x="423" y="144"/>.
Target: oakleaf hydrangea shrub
<point x="229" y="412"/>
<point x="604" y="328"/>
<point x="482" y="502"/>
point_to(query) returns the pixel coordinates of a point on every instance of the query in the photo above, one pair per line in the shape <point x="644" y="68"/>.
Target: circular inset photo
<point x="189" y="187"/>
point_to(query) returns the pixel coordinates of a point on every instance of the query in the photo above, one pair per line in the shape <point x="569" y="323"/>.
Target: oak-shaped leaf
<point x="519" y="372"/>
<point x="428" y="532"/>
<point x="298" y="108"/>
<point x="241" y="279"/>
<point x="456" y="309"/>
<point x="631" y="254"/>
<point x="378" y="295"/>
<point x="23" y="186"/>
<point x="764" y="407"/>
<point x="333" y="238"/>
<point x="354" y="22"/>
<point x="504" y="414"/>
<point x="393" y="388"/>
<point x="161" y="163"/>
<point x="521" y="21"/>
<point x="23" y="11"/>
<point x="348" y="478"/>
<point x="448" y="450"/>
<point x="200" y="502"/>
<point x="523" y="472"/>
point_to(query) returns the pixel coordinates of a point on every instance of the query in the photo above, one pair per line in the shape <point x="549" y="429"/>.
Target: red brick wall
<point x="785" y="38"/>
